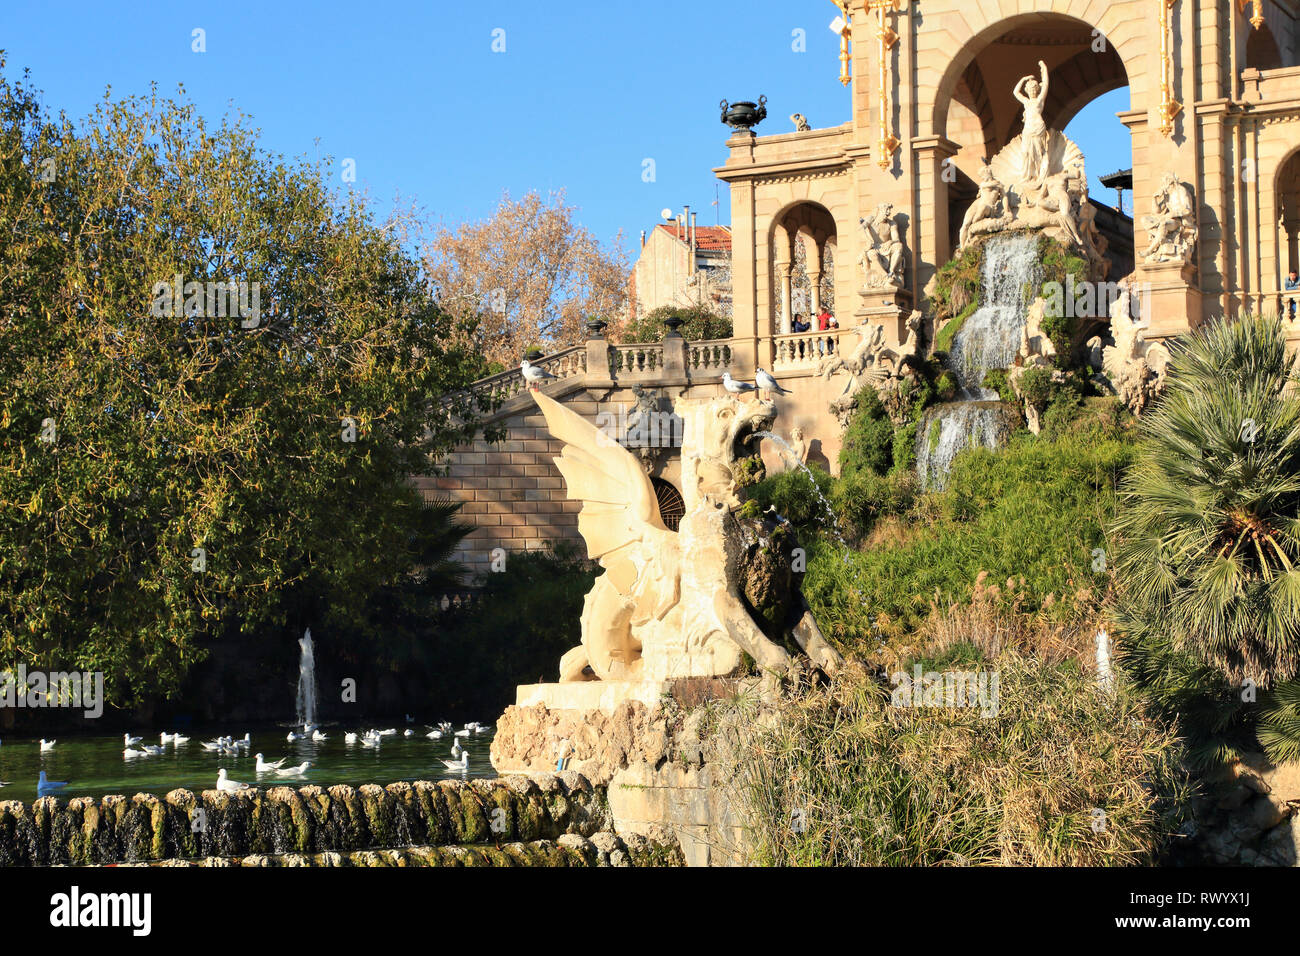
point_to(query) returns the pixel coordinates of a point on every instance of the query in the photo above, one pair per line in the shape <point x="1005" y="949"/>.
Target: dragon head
<point x="718" y="434"/>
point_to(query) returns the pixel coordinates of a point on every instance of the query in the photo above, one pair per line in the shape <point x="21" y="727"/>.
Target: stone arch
<point x="1085" y="60"/>
<point x="1125" y="36"/>
<point x="813" y="226"/>
<point x="1262" y="50"/>
<point x="1287" y="191"/>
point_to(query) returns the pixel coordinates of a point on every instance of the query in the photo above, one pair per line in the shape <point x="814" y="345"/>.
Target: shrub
<point x="700" y="323"/>
<point x="1034" y="509"/>
<point x="869" y="438"/>
<point x="1207" y="540"/>
<point x="796" y="496"/>
<point x="876" y="784"/>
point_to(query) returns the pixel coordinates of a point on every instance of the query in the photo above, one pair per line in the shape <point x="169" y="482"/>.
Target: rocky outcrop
<point x="307" y="821"/>
<point x="1247" y="817"/>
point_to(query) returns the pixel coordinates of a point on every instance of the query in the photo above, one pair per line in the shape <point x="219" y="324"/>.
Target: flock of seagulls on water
<point x="134" y="748"/>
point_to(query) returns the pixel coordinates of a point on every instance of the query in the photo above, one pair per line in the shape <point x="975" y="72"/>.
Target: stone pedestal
<point x="888" y="307"/>
<point x="1169" y="299"/>
<point x="645" y="743"/>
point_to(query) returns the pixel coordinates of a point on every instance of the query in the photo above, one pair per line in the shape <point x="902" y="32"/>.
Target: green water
<point x="95" y="766"/>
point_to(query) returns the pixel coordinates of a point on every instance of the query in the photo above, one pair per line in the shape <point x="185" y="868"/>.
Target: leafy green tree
<point x="178" y="468"/>
<point x="701" y="323"/>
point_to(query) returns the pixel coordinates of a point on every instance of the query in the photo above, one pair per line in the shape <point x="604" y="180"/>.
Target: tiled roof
<point x="707" y="238"/>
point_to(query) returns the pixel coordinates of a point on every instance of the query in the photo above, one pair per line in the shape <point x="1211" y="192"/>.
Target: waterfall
<point x="306" y="681"/>
<point x="991" y="335"/>
<point x="988" y="339"/>
<point x="947" y="429"/>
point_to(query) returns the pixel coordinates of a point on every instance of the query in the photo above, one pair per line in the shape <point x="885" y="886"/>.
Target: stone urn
<point x="674" y="323"/>
<point x="744" y="115"/>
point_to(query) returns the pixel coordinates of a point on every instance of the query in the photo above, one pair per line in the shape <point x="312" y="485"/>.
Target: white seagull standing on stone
<point x="768" y="384"/>
<point x="226" y="784"/>
<point x="534" y="375"/>
<point x="735" y="387"/>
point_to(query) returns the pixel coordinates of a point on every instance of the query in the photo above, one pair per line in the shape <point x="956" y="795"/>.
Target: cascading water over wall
<point x="988" y="339"/>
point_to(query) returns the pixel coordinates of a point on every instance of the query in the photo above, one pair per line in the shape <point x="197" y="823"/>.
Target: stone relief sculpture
<point x="643" y="434"/>
<point x="1135" y="368"/>
<point x="1171" y="225"/>
<point x="882" y="255"/>
<point x="989" y="206"/>
<point x="872" y="363"/>
<point x="1036" y="181"/>
<point x="798" y="453"/>
<point x="673" y="604"/>
<point x="1034" y="141"/>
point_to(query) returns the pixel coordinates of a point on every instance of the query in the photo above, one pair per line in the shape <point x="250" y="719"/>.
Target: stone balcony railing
<point x="798" y="350"/>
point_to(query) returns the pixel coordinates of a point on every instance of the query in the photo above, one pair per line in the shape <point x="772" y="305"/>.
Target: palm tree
<point x="1207" y="538"/>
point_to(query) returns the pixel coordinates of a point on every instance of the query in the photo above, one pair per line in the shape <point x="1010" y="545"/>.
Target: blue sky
<point x="582" y="95"/>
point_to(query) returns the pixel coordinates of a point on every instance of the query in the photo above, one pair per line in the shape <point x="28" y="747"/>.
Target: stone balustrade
<point x="804" y="349"/>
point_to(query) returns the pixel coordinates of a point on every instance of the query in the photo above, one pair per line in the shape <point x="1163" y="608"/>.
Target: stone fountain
<point x="678" y="618"/>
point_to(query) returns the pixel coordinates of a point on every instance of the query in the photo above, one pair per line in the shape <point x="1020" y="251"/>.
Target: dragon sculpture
<point x="675" y="604"/>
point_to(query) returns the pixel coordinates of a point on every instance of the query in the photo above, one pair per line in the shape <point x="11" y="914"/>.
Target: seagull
<point x="44" y="785"/>
<point x="292" y="737"/>
<point x="768" y="384"/>
<point x="462" y="733"/>
<point x="228" y="785"/>
<point x="264" y="767"/>
<point x="410" y="719"/>
<point x="207" y="744"/>
<point x="371" y="741"/>
<point x="153" y="749"/>
<point x="434" y="735"/>
<point x="349" y="738"/>
<point x="317" y="735"/>
<point x="175" y="739"/>
<point x="129" y="754"/>
<point x="130" y="741"/>
<point x="47" y="745"/>
<point x="408" y="732"/>
<point x="386" y="733"/>
<point x="462" y="764"/>
<point x="4" y="783"/>
<point x="297" y="771"/>
<point x="533" y="374"/>
<point x="735" y="387"/>
<point x="456" y="750"/>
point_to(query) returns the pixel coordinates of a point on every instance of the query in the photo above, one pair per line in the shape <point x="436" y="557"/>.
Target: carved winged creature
<point x="653" y="615"/>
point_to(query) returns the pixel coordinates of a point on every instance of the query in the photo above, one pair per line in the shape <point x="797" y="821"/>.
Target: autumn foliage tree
<point x="529" y="276"/>
<point x="170" y="479"/>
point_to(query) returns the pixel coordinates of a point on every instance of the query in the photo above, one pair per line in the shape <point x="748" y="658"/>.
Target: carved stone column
<point x="784" y="270"/>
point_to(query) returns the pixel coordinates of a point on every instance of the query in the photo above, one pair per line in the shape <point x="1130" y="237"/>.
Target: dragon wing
<point x="619" y="508"/>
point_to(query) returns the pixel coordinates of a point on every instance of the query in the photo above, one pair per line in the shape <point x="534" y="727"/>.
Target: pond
<point x="96" y="767"/>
